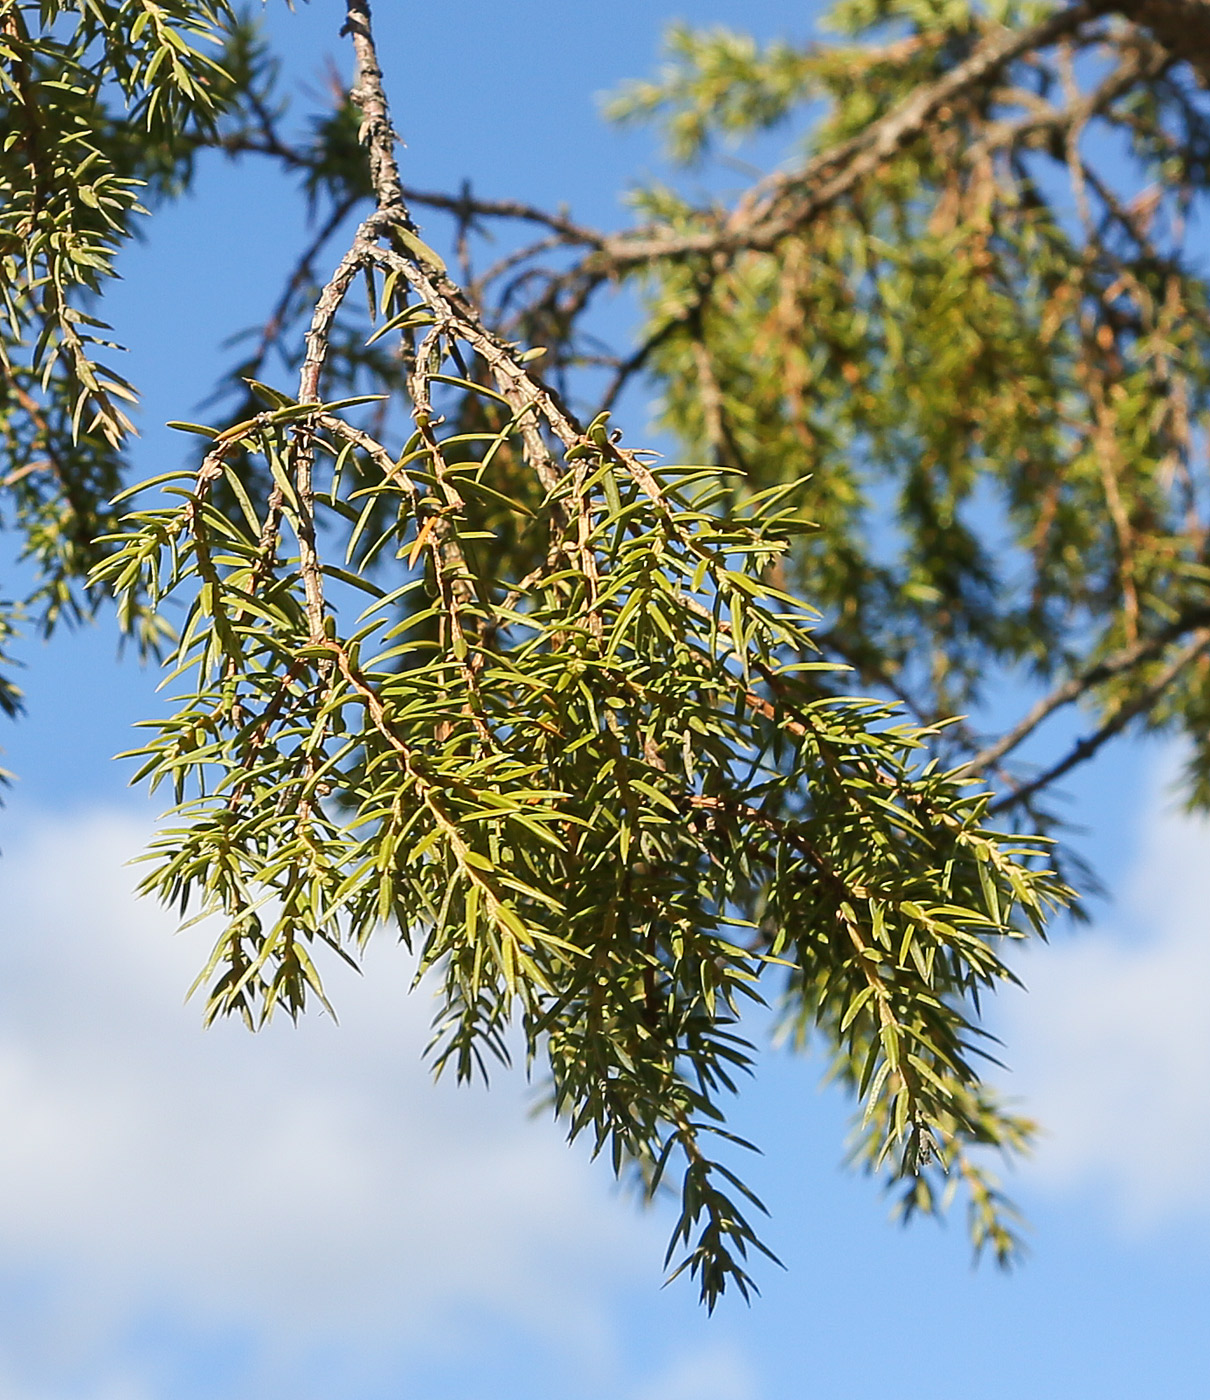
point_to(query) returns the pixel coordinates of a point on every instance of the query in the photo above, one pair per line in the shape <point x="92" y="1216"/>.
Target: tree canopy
<point x="623" y="746"/>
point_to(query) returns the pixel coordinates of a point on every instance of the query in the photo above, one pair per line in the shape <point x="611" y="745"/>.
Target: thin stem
<point x="1077" y="686"/>
<point x="1092" y="743"/>
<point x="377" y="133"/>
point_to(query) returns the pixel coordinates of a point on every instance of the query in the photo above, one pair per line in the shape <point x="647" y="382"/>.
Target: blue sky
<point x="189" y="1214"/>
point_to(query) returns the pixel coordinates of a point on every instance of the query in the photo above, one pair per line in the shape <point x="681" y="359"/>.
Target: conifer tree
<point x="623" y="747"/>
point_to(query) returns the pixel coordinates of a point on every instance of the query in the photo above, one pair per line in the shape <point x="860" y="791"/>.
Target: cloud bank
<point x="299" y="1192"/>
<point x="1112" y="1042"/>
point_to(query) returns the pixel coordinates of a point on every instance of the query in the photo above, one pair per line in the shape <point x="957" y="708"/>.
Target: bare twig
<point x="1092" y="743"/>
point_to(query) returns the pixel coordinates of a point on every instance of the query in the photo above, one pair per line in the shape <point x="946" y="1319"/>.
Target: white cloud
<point x="714" y="1372"/>
<point x="1112" y="1043"/>
<point x="309" y="1185"/>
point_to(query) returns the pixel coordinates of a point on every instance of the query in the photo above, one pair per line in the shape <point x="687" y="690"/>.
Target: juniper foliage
<point x="622" y="749"/>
